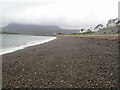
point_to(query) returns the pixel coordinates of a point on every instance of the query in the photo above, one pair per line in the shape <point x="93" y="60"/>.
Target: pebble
<point x="57" y="66"/>
<point x="35" y="73"/>
<point x="96" y="84"/>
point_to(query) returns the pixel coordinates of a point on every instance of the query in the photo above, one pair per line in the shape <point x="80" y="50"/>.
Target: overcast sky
<point x="63" y="13"/>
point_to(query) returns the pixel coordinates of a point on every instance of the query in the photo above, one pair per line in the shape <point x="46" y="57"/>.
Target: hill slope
<point x="36" y="29"/>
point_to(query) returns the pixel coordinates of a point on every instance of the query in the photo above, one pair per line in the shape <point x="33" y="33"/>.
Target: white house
<point x="89" y="30"/>
<point x="83" y="30"/>
<point x="54" y="33"/>
<point x="112" y="22"/>
<point x="116" y="20"/>
<point x="98" y="27"/>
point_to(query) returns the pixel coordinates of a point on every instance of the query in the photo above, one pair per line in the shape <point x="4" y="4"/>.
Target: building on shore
<point x="89" y="30"/>
<point x="98" y="27"/>
<point x="83" y="30"/>
<point x="113" y="22"/>
<point x="54" y="34"/>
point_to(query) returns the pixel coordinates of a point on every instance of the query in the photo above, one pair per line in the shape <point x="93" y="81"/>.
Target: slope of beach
<point x="66" y="62"/>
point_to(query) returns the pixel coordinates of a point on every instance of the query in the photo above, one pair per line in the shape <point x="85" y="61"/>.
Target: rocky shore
<point x="66" y="62"/>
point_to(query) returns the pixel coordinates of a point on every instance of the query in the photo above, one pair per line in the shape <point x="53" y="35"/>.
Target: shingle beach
<point x="66" y="62"/>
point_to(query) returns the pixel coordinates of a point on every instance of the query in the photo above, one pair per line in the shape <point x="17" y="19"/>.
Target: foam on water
<point x="30" y="43"/>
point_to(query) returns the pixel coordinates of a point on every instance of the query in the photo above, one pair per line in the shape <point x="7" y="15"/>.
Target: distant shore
<point x="66" y="62"/>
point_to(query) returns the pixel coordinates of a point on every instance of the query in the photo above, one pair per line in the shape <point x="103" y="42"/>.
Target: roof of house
<point x="99" y="25"/>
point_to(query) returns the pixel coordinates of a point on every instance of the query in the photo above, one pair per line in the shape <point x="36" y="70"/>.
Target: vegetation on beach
<point x="82" y="33"/>
<point x="89" y="33"/>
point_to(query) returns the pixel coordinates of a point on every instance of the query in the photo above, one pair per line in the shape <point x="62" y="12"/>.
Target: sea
<point x="12" y="42"/>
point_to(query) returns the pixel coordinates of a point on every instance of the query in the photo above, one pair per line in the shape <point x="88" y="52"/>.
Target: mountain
<point x="36" y="29"/>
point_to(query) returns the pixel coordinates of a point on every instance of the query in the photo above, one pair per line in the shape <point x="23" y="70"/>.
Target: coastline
<point x="66" y="62"/>
<point x="27" y="44"/>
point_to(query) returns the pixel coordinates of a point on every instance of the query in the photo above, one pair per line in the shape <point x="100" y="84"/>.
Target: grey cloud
<point x="63" y="13"/>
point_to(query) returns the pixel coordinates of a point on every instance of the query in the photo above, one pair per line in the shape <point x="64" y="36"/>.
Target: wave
<point x="32" y="43"/>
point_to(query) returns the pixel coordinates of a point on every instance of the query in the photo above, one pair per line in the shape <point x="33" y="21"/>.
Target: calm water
<point x="11" y="43"/>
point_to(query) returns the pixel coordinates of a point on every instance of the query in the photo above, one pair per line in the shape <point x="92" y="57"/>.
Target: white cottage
<point x="116" y="20"/>
<point x="54" y="33"/>
<point x="112" y="22"/>
<point x="83" y="30"/>
<point x="89" y="31"/>
<point x="98" y="27"/>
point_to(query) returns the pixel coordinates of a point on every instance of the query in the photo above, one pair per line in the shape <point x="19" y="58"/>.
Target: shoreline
<point x="102" y="37"/>
<point x="66" y="62"/>
<point x="21" y="47"/>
